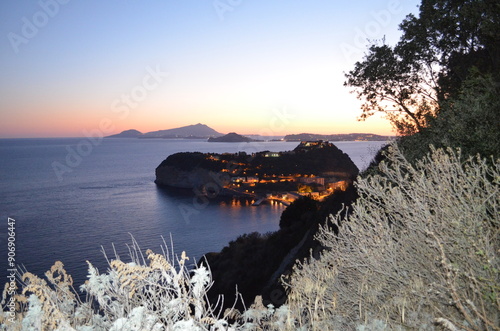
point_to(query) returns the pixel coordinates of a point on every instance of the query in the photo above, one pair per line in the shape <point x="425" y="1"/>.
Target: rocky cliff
<point x="189" y="171"/>
<point x="187" y="179"/>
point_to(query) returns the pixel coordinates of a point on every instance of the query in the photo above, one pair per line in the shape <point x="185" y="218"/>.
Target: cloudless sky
<point x="262" y="66"/>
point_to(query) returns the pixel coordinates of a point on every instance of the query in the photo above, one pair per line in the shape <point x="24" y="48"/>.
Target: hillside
<point x="127" y="134"/>
<point x="199" y="130"/>
<point x="255" y="262"/>
<point x="231" y="137"/>
<point x="316" y="165"/>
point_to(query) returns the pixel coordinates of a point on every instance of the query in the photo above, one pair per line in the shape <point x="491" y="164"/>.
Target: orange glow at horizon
<point x="175" y="64"/>
<point x="78" y="123"/>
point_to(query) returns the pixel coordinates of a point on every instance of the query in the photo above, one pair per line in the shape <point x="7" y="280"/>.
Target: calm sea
<point x="110" y="194"/>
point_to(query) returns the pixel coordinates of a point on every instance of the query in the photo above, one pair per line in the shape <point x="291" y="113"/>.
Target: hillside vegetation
<point x="418" y="249"/>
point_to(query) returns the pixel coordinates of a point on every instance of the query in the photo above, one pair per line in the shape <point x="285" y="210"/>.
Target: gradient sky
<point x="70" y="66"/>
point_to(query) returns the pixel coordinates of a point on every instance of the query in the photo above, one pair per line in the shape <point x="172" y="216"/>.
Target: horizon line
<point x="246" y="134"/>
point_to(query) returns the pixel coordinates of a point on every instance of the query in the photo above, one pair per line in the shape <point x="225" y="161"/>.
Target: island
<point x="127" y="134"/>
<point x="231" y="137"/>
<point x="338" y="137"/>
<point x="195" y="131"/>
<point x="202" y="131"/>
<point x="313" y="168"/>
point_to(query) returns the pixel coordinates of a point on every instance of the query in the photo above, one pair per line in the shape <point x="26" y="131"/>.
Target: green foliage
<point x="409" y="82"/>
<point x="469" y="122"/>
<point x="387" y="81"/>
<point x="457" y="35"/>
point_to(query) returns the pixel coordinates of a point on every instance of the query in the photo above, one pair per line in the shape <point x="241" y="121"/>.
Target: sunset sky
<point x="260" y="66"/>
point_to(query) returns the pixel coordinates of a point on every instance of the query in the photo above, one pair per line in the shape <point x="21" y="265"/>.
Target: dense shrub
<point x="420" y="248"/>
<point x="469" y="122"/>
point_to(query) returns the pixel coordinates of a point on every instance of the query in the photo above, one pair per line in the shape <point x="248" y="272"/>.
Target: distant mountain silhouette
<point x="127" y="134"/>
<point x="191" y="131"/>
<point x="337" y="137"/>
<point x="231" y="137"/>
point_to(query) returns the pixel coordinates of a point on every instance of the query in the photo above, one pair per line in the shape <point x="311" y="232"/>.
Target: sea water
<point x="71" y="199"/>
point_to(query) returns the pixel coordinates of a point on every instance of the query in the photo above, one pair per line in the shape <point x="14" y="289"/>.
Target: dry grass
<point x="420" y="249"/>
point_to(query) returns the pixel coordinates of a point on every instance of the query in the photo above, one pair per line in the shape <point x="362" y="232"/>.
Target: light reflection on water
<point x="111" y="195"/>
